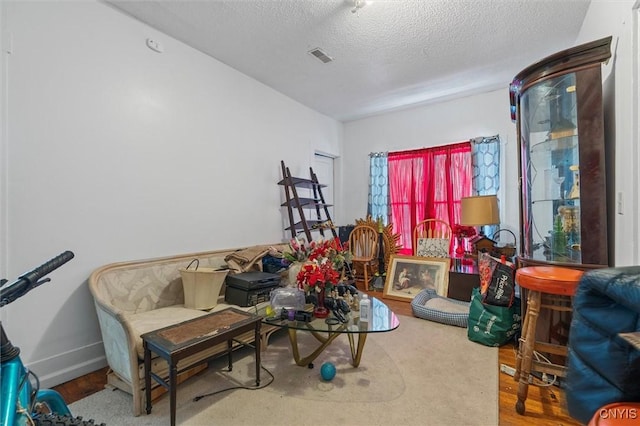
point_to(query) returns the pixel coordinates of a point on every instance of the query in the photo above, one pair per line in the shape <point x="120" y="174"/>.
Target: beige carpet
<point x="423" y="373"/>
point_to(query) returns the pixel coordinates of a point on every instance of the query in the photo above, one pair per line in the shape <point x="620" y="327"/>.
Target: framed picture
<point x="408" y="275"/>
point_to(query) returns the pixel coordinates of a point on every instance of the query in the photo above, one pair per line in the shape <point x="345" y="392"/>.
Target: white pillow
<point x="432" y="247"/>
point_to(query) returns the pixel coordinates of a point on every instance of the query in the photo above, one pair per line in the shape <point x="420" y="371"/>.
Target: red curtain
<point x="428" y="183"/>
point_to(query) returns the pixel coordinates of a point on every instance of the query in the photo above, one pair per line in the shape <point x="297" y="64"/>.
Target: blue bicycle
<point x="22" y="400"/>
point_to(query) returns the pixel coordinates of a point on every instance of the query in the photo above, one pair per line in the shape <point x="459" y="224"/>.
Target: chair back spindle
<point x="363" y="243"/>
<point x="432" y="229"/>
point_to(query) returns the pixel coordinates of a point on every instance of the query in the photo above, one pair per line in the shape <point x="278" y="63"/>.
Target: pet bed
<point x="430" y="306"/>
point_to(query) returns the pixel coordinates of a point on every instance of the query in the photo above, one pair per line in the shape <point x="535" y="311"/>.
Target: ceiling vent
<point x="318" y="53"/>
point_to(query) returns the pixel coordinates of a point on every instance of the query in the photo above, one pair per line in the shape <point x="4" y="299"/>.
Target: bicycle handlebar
<point x="30" y="280"/>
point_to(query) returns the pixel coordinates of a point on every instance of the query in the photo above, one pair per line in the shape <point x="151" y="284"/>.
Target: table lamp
<point x="479" y="210"/>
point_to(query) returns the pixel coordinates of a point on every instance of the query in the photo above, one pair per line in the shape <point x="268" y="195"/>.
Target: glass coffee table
<point x="326" y="330"/>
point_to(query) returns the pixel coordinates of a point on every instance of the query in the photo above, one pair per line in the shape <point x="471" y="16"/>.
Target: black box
<point x="344" y="232"/>
<point x="250" y="288"/>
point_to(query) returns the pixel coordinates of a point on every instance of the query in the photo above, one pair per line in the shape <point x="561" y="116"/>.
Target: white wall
<point x="117" y="152"/>
<point x="432" y="125"/>
<point x="3" y="146"/>
<point x="620" y="75"/>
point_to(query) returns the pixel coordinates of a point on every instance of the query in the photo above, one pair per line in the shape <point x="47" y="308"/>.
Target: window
<point x="427" y="183"/>
<point x="409" y="186"/>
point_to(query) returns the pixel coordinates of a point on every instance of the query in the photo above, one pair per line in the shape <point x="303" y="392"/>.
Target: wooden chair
<point x="363" y="244"/>
<point x="432" y="238"/>
<point x="390" y="241"/>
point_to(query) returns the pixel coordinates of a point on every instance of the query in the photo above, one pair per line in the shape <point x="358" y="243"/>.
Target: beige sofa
<point x="133" y="298"/>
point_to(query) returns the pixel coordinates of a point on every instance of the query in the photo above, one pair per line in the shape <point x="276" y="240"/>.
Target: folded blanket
<point x="245" y="259"/>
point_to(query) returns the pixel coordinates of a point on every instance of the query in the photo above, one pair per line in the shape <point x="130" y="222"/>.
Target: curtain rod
<point x="486" y="139"/>
<point x="433" y="148"/>
<point x="476" y="140"/>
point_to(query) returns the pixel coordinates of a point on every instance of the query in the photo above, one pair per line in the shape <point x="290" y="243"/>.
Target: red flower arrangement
<point x="317" y="251"/>
<point x="299" y="250"/>
<point x="461" y="231"/>
<point x="317" y="275"/>
<point x="323" y="262"/>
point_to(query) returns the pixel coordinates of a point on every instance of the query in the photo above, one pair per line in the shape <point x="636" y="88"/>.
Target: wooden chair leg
<point x="527" y="348"/>
<point x="521" y="340"/>
<point x="366" y="276"/>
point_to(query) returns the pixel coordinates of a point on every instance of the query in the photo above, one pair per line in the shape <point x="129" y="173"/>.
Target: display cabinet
<point x="557" y="106"/>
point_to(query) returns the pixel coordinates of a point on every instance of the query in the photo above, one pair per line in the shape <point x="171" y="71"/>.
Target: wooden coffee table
<point x="179" y="341"/>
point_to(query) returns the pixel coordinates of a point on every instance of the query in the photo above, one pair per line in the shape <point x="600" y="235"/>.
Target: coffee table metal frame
<point x="231" y="323"/>
<point x="325" y="341"/>
<point x="326" y="330"/>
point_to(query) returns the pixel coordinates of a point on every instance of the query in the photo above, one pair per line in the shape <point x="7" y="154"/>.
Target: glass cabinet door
<point x="564" y="197"/>
<point x="549" y="137"/>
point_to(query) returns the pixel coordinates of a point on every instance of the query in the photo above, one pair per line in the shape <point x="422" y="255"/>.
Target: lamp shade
<point x="479" y="210"/>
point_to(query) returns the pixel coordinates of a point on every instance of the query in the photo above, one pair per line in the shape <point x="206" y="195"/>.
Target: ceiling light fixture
<point x="358" y="4"/>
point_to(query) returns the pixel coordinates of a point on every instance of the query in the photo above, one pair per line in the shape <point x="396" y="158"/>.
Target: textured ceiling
<point x="387" y="55"/>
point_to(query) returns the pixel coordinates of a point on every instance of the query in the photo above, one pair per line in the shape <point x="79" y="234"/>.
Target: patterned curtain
<point x="378" y="204"/>
<point x="485" y="155"/>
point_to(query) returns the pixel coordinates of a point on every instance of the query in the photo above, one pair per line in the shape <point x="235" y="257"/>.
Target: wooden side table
<point x="179" y="341"/>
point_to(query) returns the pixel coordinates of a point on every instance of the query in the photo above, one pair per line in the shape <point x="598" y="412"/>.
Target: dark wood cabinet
<point x="462" y="280"/>
<point x="558" y="109"/>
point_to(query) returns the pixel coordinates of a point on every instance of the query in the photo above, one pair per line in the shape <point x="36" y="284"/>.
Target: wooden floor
<point x="544" y="406"/>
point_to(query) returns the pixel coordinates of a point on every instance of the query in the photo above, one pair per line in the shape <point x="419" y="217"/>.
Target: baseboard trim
<point x="69" y="365"/>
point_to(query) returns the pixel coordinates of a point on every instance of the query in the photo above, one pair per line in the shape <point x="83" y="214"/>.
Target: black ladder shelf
<point x="297" y="205"/>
